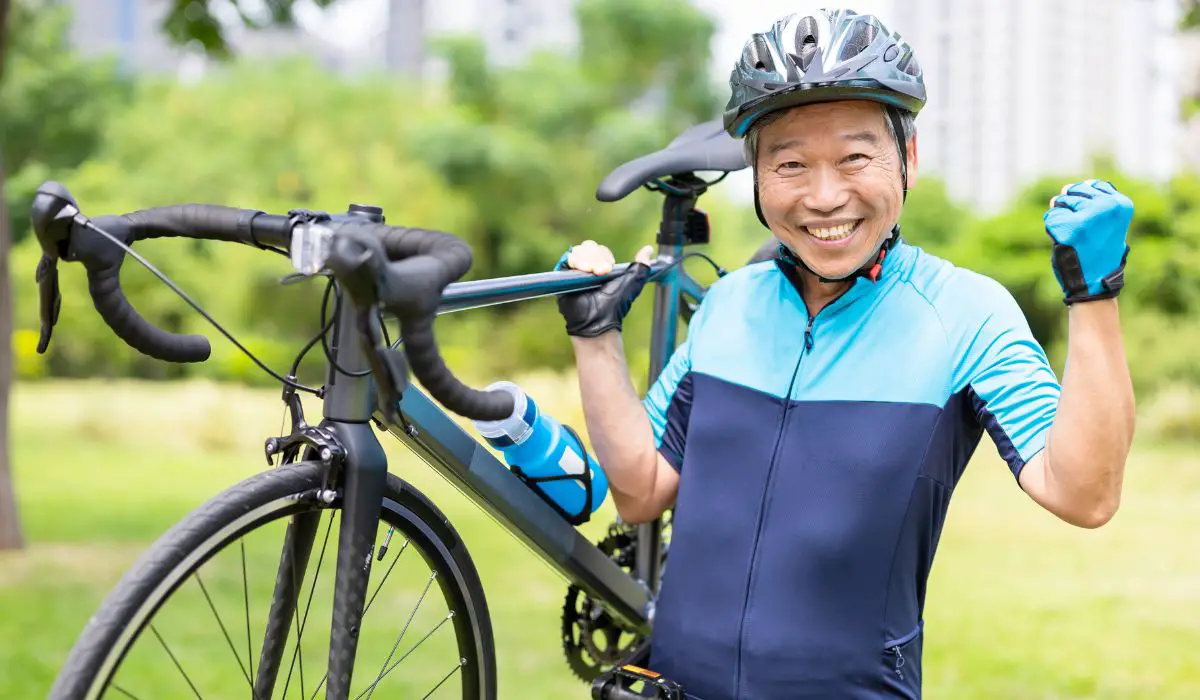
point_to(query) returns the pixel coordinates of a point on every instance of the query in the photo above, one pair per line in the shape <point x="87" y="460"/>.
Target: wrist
<point x="604" y="342"/>
<point x="1094" y="309"/>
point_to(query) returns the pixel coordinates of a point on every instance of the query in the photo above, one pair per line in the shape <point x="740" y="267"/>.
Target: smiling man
<point x="813" y="425"/>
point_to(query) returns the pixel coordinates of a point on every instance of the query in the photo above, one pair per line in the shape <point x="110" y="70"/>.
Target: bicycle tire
<point x="132" y="604"/>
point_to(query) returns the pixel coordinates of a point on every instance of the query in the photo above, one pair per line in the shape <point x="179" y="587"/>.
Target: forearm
<point x="1093" y="429"/>
<point x="618" y="427"/>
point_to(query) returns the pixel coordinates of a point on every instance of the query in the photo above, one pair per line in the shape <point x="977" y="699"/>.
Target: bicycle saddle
<point x="702" y="147"/>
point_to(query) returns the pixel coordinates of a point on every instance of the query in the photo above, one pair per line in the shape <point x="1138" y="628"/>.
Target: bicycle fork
<point x="362" y="476"/>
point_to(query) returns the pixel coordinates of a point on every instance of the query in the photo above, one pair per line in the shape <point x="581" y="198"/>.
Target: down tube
<point x="467" y="464"/>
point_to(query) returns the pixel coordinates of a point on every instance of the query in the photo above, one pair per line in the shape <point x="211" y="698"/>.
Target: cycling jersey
<point x="817" y="458"/>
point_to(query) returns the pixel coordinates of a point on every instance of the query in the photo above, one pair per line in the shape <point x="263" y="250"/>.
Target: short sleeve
<point x="668" y="403"/>
<point x="1007" y="378"/>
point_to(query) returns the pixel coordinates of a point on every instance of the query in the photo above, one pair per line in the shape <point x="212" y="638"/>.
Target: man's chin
<point x="836" y="267"/>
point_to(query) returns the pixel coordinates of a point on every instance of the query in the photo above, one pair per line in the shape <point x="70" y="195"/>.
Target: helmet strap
<point x="871" y="272"/>
<point x="898" y="127"/>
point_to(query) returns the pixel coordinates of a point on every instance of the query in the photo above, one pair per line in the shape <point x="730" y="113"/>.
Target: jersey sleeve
<point x="668" y="403"/>
<point x="1009" y="382"/>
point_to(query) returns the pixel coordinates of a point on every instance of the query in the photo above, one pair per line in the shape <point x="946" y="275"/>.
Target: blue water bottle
<point x="540" y="447"/>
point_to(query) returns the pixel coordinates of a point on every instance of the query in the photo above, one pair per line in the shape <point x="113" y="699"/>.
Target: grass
<point x="1020" y="605"/>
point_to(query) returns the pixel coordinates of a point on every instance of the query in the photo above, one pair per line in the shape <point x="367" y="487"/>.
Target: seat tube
<point x="663" y="338"/>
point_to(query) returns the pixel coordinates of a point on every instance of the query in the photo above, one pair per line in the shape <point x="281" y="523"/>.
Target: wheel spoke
<point x="453" y="671"/>
<point x="228" y="639"/>
<point x="384" y="668"/>
<point x="371" y="688"/>
<point x="385" y="576"/>
<point x="369" y="602"/>
<point x="122" y="691"/>
<point x="176" y="662"/>
<point x="246" y="601"/>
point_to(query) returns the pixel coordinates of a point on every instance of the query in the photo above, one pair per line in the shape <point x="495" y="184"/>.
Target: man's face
<point x="829" y="182"/>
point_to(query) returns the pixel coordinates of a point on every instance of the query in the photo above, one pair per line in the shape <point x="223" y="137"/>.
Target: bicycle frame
<point x="349" y="409"/>
<point x="463" y="459"/>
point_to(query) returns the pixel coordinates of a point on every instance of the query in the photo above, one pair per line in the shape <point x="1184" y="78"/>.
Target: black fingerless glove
<point x="595" y="311"/>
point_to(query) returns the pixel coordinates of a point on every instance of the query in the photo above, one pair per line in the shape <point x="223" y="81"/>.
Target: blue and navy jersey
<point x="817" y="458"/>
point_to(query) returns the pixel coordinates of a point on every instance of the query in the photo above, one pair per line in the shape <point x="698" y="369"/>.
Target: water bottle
<point x="540" y="446"/>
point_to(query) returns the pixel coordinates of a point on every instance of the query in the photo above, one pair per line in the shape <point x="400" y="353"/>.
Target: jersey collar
<point x="861" y="287"/>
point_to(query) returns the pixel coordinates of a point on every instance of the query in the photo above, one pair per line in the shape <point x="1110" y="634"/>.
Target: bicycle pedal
<point x="617" y="684"/>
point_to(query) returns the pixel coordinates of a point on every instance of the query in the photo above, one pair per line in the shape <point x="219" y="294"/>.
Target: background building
<point x="1024" y="88"/>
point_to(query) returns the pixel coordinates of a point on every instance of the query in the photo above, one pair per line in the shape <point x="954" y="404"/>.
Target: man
<point x="812" y="426"/>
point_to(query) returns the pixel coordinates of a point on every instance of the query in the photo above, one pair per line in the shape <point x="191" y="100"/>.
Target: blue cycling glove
<point x="1088" y="223"/>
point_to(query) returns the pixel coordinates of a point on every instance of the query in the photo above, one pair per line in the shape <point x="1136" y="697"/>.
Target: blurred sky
<point x="348" y="20"/>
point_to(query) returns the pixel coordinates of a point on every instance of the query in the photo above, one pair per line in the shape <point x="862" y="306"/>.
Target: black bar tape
<point x="104" y="283"/>
<point x="427" y="364"/>
<point x="211" y="222"/>
<point x="426" y="262"/>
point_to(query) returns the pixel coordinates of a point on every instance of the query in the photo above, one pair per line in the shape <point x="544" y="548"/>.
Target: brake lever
<point x="52" y="213"/>
<point x="388" y="366"/>
<point x="49" y="300"/>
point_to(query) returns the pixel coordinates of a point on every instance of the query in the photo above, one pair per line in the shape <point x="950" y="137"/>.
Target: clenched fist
<point x="1088" y="222"/>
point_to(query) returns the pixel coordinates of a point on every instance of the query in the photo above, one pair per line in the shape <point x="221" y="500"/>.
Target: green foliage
<point x="194" y="20"/>
<point x="54" y="103"/>
<point x="1190" y="19"/>
<point x="506" y="157"/>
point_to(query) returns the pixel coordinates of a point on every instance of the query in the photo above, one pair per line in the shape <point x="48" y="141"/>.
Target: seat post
<point x="681" y="224"/>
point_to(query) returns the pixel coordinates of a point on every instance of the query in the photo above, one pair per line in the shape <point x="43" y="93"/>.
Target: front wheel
<point x="236" y="601"/>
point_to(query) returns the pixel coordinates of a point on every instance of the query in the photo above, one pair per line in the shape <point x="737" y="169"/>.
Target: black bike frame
<point x="462" y="459"/>
<point x="349" y="410"/>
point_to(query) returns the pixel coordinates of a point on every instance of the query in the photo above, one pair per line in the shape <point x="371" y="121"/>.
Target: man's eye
<point x="857" y="158"/>
<point x="791" y="165"/>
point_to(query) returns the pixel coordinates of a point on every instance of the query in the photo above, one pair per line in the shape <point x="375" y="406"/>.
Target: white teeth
<point x="834" y="233"/>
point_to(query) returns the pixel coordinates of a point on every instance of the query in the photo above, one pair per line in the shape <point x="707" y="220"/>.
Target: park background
<point x="106" y="448"/>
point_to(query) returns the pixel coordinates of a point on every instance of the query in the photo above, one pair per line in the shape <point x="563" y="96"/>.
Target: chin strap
<point x="871" y="272"/>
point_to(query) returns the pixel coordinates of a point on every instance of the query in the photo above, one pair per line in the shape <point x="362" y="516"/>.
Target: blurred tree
<point x="10" y="524"/>
<point x="55" y="103"/>
<point x="533" y="141"/>
<point x="1191" y="14"/>
<point x="1189" y="21"/>
<point x="195" y="20"/>
<point x="56" y="124"/>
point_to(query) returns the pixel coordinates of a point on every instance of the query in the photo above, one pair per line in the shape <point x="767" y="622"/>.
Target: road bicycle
<point x="136" y="647"/>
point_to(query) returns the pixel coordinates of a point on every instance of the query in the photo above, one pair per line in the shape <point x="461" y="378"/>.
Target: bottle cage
<point x="585" y="479"/>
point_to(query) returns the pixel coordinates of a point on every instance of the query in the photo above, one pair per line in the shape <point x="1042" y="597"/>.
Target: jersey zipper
<point x="787" y="400"/>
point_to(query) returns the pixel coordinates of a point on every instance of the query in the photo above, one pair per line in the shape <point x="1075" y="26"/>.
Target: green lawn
<point x="1020" y="605"/>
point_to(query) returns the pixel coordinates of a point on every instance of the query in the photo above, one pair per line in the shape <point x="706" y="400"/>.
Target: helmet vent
<point x="758" y="54"/>
<point x="908" y="64"/>
<point x="806" y="41"/>
<point x="860" y="38"/>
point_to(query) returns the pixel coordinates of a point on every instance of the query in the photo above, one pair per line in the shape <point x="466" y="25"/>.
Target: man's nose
<point x="826" y="193"/>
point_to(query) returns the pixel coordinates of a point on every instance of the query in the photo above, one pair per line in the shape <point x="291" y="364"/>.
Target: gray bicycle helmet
<point x="822" y="56"/>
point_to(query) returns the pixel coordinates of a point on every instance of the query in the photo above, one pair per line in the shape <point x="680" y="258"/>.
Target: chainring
<point x="593" y="641"/>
